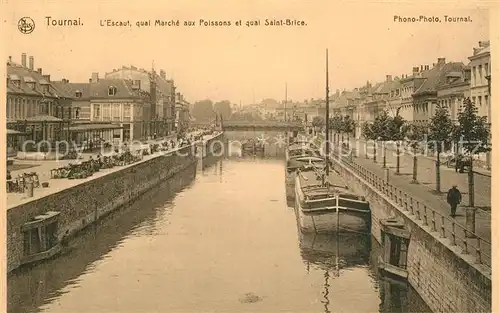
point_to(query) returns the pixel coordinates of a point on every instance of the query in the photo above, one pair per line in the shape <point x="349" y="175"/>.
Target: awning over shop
<point x="13" y="132"/>
<point x="43" y="118"/>
<point x="91" y="127"/>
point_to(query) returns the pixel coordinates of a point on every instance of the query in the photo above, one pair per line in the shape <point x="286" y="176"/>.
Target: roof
<point x="24" y="75"/>
<point x="437" y="76"/>
<point x="69" y="89"/>
<point x="124" y="89"/>
<point x="97" y="126"/>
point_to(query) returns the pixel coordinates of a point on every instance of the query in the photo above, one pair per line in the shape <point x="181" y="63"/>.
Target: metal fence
<point x="469" y="242"/>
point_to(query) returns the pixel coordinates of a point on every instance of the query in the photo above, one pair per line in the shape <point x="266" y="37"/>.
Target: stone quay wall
<point x="85" y="203"/>
<point x="446" y="280"/>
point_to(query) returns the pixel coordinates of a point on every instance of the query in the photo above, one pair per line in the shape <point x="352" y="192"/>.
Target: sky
<point x="241" y="63"/>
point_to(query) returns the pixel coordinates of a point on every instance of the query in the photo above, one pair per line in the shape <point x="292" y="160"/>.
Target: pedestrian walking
<point x="454" y="198"/>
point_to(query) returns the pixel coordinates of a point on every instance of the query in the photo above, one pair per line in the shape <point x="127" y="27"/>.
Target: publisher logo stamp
<point x="26" y="25"/>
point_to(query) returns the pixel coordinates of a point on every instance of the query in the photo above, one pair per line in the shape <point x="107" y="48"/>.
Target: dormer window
<point x="31" y="85"/>
<point x="78" y="94"/>
<point x="111" y="91"/>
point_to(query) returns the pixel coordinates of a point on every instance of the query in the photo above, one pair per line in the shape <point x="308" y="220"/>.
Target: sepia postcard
<point x="249" y="156"/>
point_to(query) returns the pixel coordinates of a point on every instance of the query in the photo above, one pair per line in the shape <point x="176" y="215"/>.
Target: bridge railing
<point x="262" y="123"/>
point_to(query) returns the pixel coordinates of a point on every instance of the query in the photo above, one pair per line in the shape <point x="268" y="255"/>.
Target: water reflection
<point x="227" y="243"/>
<point x="31" y="287"/>
<point x="333" y="254"/>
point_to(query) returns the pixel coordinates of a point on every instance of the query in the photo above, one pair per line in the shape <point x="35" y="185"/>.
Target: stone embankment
<point x="38" y="227"/>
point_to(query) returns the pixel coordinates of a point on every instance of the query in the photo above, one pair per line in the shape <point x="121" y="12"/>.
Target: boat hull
<point x="351" y="216"/>
<point x="290" y="185"/>
<point x="344" y="221"/>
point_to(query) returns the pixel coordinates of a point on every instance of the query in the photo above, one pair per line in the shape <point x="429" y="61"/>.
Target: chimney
<point x="47" y="78"/>
<point x="415" y="70"/>
<point x="152" y="93"/>
<point x="484" y="44"/>
<point x="441" y="62"/>
<point x="421" y="68"/>
<point x="23" y="59"/>
<point x="90" y="80"/>
<point x="388" y="78"/>
<point x="95" y="78"/>
<point x="39" y="70"/>
<point x="10" y="59"/>
<point x="163" y="74"/>
<point x="32" y="63"/>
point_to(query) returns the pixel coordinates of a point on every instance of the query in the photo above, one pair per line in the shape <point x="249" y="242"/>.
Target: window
<point x="480" y="72"/>
<point x="31" y="85"/>
<point x="474" y="100"/>
<point x="45" y="88"/>
<point x="116" y="112"/>
<point x="106" y="114"/>
<point x="78" y="94"/>
<point x="486" y="100"/>
<point x="479" y="102"/>
<point x="486" y="69"/>
<point x="97" y="111"/>
<point x="126" y="112"/>
<point x="473" y="76"/>
<point x="111" y="90"/>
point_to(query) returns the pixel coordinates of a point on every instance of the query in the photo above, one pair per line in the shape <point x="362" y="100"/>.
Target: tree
<point x="474" y="134"/>
<point x="415" y="134"/>
<point x="245" y="116"/>
<point x="347" y="126"/>
<point x="203" y="111"/>
<point x="397" y="132"/>
<point x="335" y="126"/>
<point x="440" y="136"/>
<point x="382" y="128"/>
<point x="318" y="122"/>
<point x="370" y="133"/>
<point x="223" y="108"/>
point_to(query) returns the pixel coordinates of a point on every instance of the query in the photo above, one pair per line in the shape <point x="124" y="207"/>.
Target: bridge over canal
<point x="262" y="126"/>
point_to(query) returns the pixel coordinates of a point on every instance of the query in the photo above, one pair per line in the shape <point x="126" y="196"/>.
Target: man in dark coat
<point x="454" y="198"/>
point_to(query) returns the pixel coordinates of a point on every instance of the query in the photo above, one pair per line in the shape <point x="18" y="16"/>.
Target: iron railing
<point x="469" y="242"/>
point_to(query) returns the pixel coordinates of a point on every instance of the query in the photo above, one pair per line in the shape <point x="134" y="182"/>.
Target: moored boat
<point x="298" y="163"/>
<point x="251" y="147"/>
<point x="325" y="204"/>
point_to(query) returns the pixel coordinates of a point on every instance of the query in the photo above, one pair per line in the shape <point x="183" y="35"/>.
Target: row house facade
<point x="35" y="109"/>
<point x="425" y="97"/>
<point x="163" y="94"/>
<point x="408" y="86"/>
<point x="452" y="90"/>
<point x="120" y="102"/>
<point x="480" y="85"/>
<point x="480" y="67"/>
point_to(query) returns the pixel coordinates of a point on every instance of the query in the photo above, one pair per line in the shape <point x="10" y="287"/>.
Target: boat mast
<point x="286" y="97"/>
<point x="327" y="126"/>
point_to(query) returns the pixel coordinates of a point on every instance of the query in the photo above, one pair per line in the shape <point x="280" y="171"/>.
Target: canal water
<point x="217" y="239"/>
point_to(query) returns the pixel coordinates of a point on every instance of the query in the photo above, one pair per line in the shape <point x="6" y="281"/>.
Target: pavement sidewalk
<point x="44" y="167"/>
<point x="426" y="176"/>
